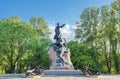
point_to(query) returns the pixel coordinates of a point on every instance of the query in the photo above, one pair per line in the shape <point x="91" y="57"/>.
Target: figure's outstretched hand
<point x="63" y="25"/>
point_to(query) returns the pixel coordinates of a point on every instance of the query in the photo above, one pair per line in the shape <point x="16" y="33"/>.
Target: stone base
<point x="63" y="72"/>
<point x="61" y="68"/>
<point x="56" y="62"/>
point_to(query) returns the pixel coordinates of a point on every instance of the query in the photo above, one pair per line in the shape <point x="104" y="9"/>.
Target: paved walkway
<point x="21" y="77"/>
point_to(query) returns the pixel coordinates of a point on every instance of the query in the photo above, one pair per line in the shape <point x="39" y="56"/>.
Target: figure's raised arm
<point x="62" y="26"/>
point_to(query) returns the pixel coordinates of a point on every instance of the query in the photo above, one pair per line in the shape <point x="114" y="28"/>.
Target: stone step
<point x="63" y="72"/>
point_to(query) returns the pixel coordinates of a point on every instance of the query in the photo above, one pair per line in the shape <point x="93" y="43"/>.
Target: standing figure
<point x="58" y="33"/>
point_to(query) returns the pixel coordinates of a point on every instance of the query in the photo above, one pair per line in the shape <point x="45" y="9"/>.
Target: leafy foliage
<point x="99" y="28"/>
<point x="80" y="55"/>
<point x="19" y="45"/>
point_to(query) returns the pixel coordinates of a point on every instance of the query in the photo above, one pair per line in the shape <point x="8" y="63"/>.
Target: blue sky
<point x="53" y="11"/>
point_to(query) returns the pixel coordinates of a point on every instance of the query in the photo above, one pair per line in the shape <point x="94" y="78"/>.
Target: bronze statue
<point x="57" y="35"/>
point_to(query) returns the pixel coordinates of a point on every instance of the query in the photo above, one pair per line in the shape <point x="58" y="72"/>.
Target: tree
<point x="13" y="36"/>
<point x="116" y="9"/>
<point x="110" y="32"/>
<point x="39" y="53"/>
<point x="100" y="32"/>
<point x="41" y="42"/>
<point x="104" y="41"/>
<point x="80" y="55"/>
<point x="40" y="26"/>
<point x="89" y="21"/>
<point x="22" y="44"/>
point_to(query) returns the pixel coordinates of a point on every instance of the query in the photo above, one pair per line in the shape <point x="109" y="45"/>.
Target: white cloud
<point x="52" y="30"/>
<point x="67" y="32"/>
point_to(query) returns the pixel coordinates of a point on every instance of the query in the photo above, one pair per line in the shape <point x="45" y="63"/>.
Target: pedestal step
<point x="63" y="72"/>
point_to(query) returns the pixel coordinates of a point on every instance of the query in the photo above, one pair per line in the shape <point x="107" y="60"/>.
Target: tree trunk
<point x="12" y="68"/>
<point x="108" y="64"/>
<point x="116" y="63"/>
<point x="107" y="57"/>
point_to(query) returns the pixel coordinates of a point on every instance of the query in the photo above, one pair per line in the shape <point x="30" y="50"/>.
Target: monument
<point x="59" y="53"/>
<point x="60" y="61"/>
